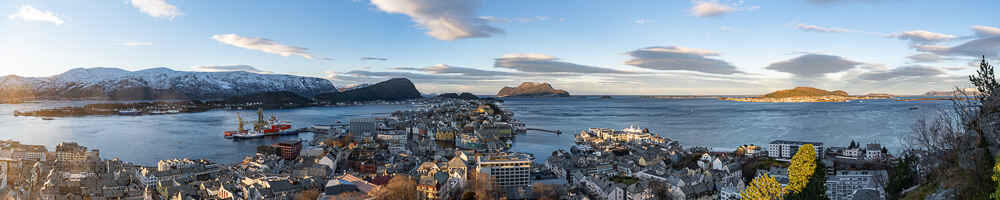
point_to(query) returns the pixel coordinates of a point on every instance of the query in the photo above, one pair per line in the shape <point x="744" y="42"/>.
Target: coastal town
<point x="446" y="148"/>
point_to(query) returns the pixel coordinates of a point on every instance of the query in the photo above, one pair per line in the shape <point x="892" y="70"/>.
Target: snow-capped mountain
<point x="157" y="83"/>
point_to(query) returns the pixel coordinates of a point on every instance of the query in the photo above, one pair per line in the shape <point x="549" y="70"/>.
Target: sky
<point x="676" y="47"/>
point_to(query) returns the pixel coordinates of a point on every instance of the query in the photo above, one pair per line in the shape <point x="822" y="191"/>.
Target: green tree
<point x="901" y="176"/>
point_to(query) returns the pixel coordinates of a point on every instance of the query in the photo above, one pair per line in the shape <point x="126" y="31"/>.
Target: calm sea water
<point x="692" y="122"/>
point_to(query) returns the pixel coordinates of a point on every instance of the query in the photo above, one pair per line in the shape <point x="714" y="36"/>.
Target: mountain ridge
<point x="156" y="83"/>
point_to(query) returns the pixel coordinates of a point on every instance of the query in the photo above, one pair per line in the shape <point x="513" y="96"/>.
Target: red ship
<point x="262" y="128"/>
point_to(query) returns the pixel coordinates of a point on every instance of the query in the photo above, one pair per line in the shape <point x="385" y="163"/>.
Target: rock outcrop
<point x="532" y="89"/>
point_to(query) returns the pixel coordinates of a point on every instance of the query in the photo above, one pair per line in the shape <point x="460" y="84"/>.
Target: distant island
<point x="532" y="89"/>
<point x="805" y="94"/>
<point x="956" y="92"/>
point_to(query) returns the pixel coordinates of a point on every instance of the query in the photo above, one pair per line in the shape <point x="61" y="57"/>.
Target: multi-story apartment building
<point x="71" y="152"/>
<point x="289" y="150"/>
<point x="510" y="171"/>
<point x="846" y="184"/>
<point x="362" y="127"/>
<point x="784" y="149"/>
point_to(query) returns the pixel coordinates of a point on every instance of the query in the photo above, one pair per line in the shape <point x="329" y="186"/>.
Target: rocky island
<point x="804" y="94"/>
<point x="532" y="89"/>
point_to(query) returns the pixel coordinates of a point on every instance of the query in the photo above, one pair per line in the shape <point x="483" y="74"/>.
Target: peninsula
<point x="804" y="94"/>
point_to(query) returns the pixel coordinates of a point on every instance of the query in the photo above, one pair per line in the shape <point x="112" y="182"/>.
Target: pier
<point x="557" y="132"/>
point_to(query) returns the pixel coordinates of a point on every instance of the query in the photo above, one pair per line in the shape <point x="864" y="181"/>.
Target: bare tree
<point x="399" y="187"/>
<point x="956" y="145"/>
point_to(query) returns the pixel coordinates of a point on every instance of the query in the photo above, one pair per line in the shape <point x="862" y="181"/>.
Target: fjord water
<point x="692" y="122"/>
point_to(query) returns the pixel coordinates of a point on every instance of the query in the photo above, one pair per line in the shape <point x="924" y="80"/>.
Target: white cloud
<point x="132" y="44"/>
<point x="705" y="8"/>
<point x="814" y="65"/>
<point x="541" y="63"/>
<point x="157" y="8"/>
<point x="262" y="44"/>
<point x="28" y="13"/>
<point x="443" y="19"/>
<point x="680" y="58"/>
<point x="989" y="47"/>
<point x="986" y="31"/>
<point x="905" y="72"/>
<point x="922" y="36"/>
<point x="729" y="29"/>
<point x="643" y="21"/>
<point x="926" y="58"/>
<point x="820" y="29"/>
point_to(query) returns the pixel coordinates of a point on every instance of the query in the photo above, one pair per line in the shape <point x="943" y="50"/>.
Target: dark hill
<point x="464" y="95"/>
<point x="396" y="89"/>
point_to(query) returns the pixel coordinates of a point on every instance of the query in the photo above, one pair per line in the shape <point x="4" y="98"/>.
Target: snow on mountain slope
<point x="160" y="83"/>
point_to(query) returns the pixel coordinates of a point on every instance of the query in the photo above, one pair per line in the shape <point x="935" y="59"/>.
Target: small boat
<point x="48" y="118"/>
<point x="914" y="108"/>
<point x="130" y="111"/>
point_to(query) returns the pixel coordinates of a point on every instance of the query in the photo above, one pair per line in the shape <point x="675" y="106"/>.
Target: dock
<point x="558" y="132"/>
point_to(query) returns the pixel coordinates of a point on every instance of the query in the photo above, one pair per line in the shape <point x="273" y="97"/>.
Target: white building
<point x="845" y="184"/>
<point x="873" y="152"/>
<point x="785" y="150"/>
<point x="511" y="171"/>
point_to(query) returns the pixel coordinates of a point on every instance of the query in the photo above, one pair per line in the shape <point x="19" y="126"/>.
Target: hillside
<point x="269" y="98"/>
<point x="532" y="89"/>
<point x="803" y="92"/>
<point x="156" y="84"/>
<point x="464" y="95"/>
<point x="395" y="89"/>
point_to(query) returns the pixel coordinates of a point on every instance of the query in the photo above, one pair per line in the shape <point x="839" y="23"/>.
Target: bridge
<point x="545" y="130"/>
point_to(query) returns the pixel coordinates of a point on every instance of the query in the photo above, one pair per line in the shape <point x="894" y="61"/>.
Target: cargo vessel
<point x="261" y="128"/>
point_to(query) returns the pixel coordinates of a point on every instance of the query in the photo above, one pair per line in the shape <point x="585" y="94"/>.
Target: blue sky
<point x="585" y="47"/>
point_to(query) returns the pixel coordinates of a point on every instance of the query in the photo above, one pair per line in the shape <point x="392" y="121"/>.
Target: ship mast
<point x="241" y="122"/>
<point x="260" y="119"/>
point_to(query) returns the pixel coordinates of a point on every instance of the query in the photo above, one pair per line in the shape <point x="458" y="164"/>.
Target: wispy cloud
<point x="157" y="8"/>
<point x="443" y="19"/>
<point x="989" y="47"/>
<point x="813" y="65"/>
<point x="541" y="63"/>
<point x="711" y="8"/>
<point x="905" y="72"/>
<point x="448" y="69"/>
<point x="230" y="68"/>
<point x="29" y="13"/>
<point x="132" y="44"/>
<point x="262" y="44"/>
<point x="922" y="36"/>
<point x="986" y="31"/>
<point x="643" y="21"/>
<point x="680" y="58"/>
<point x="820" y="29"/>
<point x="374" y="58"/>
